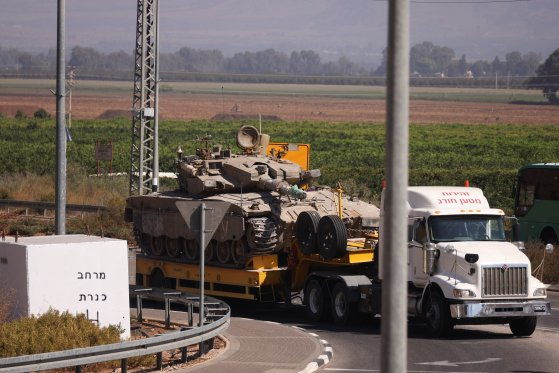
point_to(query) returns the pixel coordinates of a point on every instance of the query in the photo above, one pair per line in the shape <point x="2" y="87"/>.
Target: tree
<point x="548" y="77"/>
<point x="427" y="58"/>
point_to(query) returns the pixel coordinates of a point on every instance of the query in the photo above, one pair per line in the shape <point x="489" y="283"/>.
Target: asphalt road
<point x="489" y="348"/>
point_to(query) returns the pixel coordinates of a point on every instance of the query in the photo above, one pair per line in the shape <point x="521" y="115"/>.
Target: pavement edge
<point x="322" y="359"/>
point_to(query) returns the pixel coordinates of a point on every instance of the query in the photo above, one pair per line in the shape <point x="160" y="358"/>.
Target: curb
<point x="322" y="359"/>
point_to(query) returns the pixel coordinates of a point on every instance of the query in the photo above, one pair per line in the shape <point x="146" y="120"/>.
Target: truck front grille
<point x="504" y="281"/>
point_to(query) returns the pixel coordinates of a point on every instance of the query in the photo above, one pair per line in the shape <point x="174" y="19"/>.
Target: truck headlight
<point x="463" y="293"/>
<point x="540" y="292"/>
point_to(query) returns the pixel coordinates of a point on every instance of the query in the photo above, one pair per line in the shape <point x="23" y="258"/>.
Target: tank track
<point x="262" y="236"/>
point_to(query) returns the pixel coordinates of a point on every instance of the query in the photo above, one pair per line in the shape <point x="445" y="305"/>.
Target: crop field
<point x="352" y="153"/>
<point x="325" y="103"/>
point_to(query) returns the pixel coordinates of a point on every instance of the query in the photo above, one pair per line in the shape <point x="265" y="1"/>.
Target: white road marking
<point x="555" y="330"/>
<point x="555" y="309"/>
<point x="378" y="370"/>
<point x="446" y="363"/>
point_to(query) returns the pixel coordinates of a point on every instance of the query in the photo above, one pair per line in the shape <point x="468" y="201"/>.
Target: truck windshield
<point x="466" y="228"/>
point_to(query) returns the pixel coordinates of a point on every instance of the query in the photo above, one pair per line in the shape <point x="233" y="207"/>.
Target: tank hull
<point x="255" y="223"/>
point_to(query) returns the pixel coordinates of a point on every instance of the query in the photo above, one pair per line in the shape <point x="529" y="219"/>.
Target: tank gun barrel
<point x="282" y="187"/>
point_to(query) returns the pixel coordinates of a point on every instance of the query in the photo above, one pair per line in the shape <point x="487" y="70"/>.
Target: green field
<point x="260" y="89"/>
<point x="352" y="153"/>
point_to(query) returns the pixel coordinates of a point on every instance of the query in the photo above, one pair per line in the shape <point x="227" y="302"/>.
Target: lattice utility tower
<point x="144" y="157"/>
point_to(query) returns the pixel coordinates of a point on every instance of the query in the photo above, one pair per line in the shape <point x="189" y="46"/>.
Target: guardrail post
<point x="123" y="365"/>
<point x="139" y="308"/>
<point x="78" y="369"/>
<point x="167" y="312"/>
<point x="184" y="354"/>
<point x="159" y="361"/>
<point x="190" y="314"/>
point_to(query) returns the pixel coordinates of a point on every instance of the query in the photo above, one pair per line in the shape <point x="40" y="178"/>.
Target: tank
<point x="270" y="207"/>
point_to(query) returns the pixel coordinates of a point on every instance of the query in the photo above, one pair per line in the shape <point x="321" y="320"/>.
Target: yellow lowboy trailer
<point x="262" y="280"/>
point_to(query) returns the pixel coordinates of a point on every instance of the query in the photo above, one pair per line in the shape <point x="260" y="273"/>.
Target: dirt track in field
<point x="204" y="106"/>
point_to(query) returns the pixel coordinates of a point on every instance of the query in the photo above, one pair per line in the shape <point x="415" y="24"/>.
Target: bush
<point x="53" y="331"/>
<point x="19" y="115"/>
<point x="41" y="114"/>
<point x="7" y="303"/>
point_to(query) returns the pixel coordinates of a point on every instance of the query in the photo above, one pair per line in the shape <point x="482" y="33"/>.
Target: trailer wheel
<point x="332" y="237"/>
<point x="306" y="229"/>
<point x="314" y="300"/>
<point x="523" y="326"/>
<point x="342" y="309"/>
<point x="437" y="314"/>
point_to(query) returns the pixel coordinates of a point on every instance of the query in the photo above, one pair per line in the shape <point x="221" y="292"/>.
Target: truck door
<point x="415" y="253"/>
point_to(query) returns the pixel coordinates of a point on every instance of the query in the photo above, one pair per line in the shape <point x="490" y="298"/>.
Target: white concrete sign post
<point x="75" y="273"/>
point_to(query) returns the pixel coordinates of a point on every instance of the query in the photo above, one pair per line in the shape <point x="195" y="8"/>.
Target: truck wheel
<point x="306" y="228"/>
<point x="332" y="237"/>
<point x="314" y="300"/>
<point x="342" y="308"/>
<point x="437" y="315"/>
<point x="523" y="326"/>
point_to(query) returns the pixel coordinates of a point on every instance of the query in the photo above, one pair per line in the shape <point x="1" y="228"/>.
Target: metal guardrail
<point x="121" y="351"/>
<point x="36" y="205"/>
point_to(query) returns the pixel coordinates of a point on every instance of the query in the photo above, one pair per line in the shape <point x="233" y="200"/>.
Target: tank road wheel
<point x="223" y="252"/>
<point x="191" y="250"/>
<point x="342" y="308"/>
<point x="158" y="245"/>
<point x="239" y="252"/>
<point x="332" y="237"/>
<point x="314" y="300"/>
<point x="523" y="326"/>
<point x="146" y="241"/>
<point x="209" y="253"/>
<point x="437" y="315"/>
<point x="306" y="228"/>
<point x="173" y="247"/>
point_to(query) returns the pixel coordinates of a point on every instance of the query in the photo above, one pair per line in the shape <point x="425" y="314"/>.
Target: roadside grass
<point x="544" y="266"/>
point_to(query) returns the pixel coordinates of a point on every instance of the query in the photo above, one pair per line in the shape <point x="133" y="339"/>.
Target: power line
<point x="461" y="1"/>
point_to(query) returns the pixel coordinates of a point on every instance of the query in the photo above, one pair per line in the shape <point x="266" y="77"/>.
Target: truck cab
<point x="461" y="268"/>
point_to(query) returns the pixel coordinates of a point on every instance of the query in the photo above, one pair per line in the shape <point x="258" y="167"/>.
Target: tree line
<point x="426" y="60"/>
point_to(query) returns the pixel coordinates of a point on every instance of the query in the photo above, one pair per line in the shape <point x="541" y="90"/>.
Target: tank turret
<point x="221" y="171"/>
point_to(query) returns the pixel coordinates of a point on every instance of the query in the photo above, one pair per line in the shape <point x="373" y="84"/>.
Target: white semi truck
<point x="461" y="269"/>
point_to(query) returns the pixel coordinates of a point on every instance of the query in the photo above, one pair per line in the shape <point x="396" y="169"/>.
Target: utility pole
<point x="394" y="293"/>
<point x="144" y="158"/>
<point x="60" y="214"/>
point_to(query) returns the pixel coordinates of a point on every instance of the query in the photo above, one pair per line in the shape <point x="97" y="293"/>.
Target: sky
<point x="333" y="28"/>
